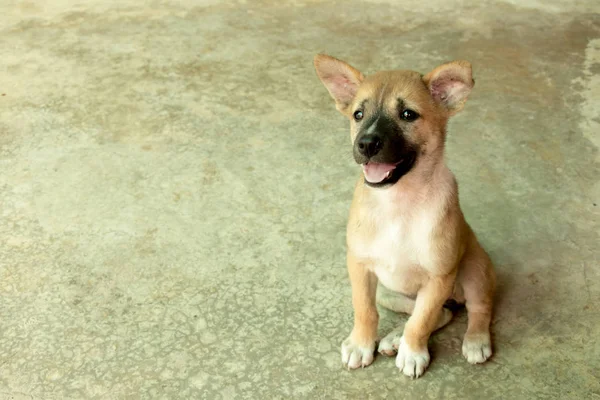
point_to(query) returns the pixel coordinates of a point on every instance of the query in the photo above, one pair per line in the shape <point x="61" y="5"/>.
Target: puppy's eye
<point x="358" y="115"/>
<point x="409" y="115"/>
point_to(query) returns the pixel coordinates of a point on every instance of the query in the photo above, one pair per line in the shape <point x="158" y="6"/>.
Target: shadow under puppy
<point x="406" y="229"/>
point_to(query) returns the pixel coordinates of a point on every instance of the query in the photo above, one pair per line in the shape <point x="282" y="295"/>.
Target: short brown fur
<point x="411" y="236"/>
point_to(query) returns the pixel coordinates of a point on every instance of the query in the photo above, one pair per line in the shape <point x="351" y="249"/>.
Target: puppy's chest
<point x="395" y="245"/>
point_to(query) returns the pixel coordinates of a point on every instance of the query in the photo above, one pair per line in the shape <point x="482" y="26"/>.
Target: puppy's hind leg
<point x="478" y="280"/>
<point x="394" y="301"/>
<point x="400" y="303"/>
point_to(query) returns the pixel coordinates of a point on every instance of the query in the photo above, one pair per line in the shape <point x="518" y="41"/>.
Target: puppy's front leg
<point x="413" y="356"/>
<point x="358" y="350"/>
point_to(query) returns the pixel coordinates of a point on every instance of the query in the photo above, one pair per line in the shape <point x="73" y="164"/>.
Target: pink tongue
<point x="376" y="172"/>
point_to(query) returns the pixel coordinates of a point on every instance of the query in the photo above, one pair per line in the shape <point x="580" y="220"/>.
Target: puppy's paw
<point x="388" y="346"/>
<point x="411" y="363"/>
<point x="477" y="348"/>
<point x="355" y="356"/>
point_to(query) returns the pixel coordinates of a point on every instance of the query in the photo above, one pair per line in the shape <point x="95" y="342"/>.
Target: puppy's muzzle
<point x="384" y="158"/>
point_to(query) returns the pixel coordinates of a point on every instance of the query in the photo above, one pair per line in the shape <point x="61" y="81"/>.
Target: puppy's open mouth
<point x="381" y="174"/>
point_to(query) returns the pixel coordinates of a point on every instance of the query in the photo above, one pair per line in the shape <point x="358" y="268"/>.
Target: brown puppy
<point x="406" y="229"/>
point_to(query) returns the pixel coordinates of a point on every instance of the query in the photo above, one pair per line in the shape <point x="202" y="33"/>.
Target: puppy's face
<point x="396" y="116"/>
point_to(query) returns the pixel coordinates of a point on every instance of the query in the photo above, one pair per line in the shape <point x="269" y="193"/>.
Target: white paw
<point x="388" y="346"/>
<point x="354" y="356"/>
<point x="411" y="363"/>
<point x="477" y="348"/>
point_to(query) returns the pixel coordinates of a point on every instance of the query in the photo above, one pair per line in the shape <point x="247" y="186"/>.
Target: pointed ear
<point x="340" y="79"/>
<point x="450" y="84"/>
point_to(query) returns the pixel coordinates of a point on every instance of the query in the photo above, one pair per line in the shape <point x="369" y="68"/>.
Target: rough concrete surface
<point x="175" y="183"/>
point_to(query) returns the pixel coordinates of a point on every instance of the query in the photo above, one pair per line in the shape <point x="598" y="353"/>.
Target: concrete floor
<point x="175" y="183"/>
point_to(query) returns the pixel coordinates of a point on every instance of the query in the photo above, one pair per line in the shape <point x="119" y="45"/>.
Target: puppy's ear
<point x="340" y="79"/>
<point x="450" y="84"/>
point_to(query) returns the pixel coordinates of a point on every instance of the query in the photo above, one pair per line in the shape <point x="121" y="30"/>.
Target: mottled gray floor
<point x="175" y="183"/>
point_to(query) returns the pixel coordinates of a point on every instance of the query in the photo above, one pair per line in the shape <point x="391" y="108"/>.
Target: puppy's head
<point x="396" y="117"/>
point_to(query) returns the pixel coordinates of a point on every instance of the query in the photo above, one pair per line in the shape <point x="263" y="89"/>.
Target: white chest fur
<point x="396" y="243"/>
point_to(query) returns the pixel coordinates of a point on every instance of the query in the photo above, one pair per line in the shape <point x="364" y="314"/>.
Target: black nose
<point x="369" y="145"/>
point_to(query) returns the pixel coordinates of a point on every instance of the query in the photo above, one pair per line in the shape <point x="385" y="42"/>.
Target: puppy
<point x="406" y="230"/>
